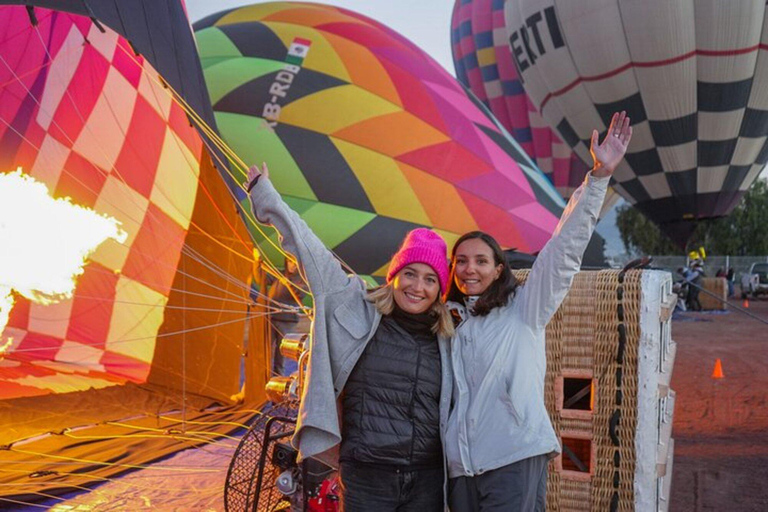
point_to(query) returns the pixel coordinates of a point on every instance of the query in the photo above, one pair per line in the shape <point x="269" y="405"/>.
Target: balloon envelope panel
<point x="484" y="64"/>
<point x="81" y="113"/>
<point x="366" y="136"/>
<point x="692" y="82"/>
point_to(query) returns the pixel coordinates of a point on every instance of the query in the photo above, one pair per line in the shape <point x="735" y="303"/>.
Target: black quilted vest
<point x="391" y="403"/>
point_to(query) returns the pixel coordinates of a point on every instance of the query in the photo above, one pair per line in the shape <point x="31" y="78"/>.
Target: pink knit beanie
<point x="422" y="245"/>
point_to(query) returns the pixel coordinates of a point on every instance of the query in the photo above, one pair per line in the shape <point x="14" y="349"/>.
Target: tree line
<point x="744" y="232"/>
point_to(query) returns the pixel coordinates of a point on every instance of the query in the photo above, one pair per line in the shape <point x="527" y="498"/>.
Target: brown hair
<point x="497" y="294"/>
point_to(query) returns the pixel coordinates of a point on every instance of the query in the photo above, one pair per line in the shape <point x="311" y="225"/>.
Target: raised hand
<point x="608" y="154"/>
<point x="254" y="171"/>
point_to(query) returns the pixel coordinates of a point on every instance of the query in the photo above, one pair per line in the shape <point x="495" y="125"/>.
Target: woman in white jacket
<point x="499" y="437"/>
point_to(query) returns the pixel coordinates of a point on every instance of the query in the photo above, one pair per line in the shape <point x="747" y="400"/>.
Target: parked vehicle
<point x="755" y="282"/>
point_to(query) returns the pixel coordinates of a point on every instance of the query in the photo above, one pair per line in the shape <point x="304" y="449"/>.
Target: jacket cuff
<point x="596" y="182"/>
<point x="252" y="183"/>
<point x="261" y="188"/>
<point x="262" y="194"/>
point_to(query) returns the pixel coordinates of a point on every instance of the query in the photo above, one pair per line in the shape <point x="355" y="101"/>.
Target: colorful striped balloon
<point x="367" y="137"/>
<point x="83" y="114"/>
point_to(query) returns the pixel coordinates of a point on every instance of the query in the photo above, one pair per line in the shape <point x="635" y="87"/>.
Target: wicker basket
<point x="609" y="357"/>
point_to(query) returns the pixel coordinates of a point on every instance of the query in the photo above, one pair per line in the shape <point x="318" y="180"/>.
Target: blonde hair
<point x="383" y="299"/>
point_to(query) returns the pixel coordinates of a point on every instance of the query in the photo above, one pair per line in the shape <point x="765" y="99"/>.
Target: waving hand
<point x="608" y="154"/>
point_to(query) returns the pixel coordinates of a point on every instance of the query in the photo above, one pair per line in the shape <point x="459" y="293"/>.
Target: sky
<point x="425" y="22"/>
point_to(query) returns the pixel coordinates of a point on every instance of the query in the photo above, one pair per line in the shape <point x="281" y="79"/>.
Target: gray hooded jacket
<point x="499" y="360"/>
<point x="343" y="325"/>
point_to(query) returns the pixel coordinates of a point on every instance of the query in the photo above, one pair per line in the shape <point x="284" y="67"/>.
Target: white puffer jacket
<point x="498" y="416"/>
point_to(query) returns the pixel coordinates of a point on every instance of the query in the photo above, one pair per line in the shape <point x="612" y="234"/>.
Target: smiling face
<point x="475" y="268"/>
<point x="416" y="287"/>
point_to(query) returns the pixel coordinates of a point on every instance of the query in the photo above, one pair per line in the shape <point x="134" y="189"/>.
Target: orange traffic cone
<point x="717" y="373"/>
<point x="745" y="304"/>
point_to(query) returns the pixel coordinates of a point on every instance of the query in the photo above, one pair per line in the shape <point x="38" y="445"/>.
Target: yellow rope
<point x="86" y="476"/>
<point x="99" y="463"/>
<point x="9" y="500"/>
<point x="174" y="436"/>
<point x="241" y="425"/>
<point x="214" y="137"/>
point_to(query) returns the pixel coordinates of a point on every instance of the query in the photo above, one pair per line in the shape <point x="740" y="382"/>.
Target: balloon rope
<point x="185" y="249"/>
<point x="26" y="504"/>
<point x="219" y="144"/>
<point x="204" y="441"/>
<point x="231" y="423"/>
<point x="100" y="463"/>
<point x="191" y="254"/>
<point x="109" y="105"/>
<point x="97" y="478"/>
<point x="235" y="160"/>
<point x="44" y="495"/>
<point x="269" y="266"/>
<point x="123" y="423"/>
<point x="201" y="492"/>
<point x="243" y="285"/>
<point x="142" y="338"/>
<point x="188" y="436"/>
<point x="80" y="115"/>
<point x="116" y="207"/>
<point x="732" y="306"/>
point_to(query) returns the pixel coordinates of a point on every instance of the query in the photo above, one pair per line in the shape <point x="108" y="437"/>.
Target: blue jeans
<point x="368" y="488"/>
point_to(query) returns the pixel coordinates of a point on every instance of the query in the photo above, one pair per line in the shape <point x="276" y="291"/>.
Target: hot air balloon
<point x="81" y="113"/>
<point x="367" y="137"/>
<point x="156" y="322"/>
<point x="691" y="79"/>
<point x="484" y="64"/>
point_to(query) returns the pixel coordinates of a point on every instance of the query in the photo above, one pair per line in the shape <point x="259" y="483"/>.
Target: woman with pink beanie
<point x="377" y="393"/>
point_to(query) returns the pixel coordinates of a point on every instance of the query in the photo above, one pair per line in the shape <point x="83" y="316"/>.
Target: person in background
<point x="729" y="276"/>
<point x="681" y="289"/>
<point x="499" y="437"/>
<point x="692" y="275"/>
<point x="282" y="294"/>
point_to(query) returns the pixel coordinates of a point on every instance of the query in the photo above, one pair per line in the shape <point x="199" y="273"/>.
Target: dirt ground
<point x="721" y="425"/>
